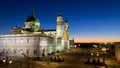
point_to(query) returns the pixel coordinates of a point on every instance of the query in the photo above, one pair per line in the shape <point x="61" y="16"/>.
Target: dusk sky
<point x="89" y="20"/>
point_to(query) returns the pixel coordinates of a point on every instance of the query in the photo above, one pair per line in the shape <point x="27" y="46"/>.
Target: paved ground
<point x="74" y="58"/>
<point x="77" y="57"/>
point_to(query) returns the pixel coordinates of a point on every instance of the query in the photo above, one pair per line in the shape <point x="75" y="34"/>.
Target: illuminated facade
<point x="32" y="40"/>
<point x="26" y="45"/>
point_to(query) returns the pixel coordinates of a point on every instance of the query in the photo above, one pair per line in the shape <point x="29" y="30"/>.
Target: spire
<point x="66" y="19"/>
<point x="59" y="12"/>
<point x="32" y="12"/>
<point x="32" y="17"/>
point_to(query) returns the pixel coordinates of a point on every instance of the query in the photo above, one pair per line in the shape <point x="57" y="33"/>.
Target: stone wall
<point x="19" y="45"/>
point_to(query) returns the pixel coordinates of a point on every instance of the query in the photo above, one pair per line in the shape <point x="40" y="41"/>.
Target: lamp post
<point x="6" y="58"/>
<point x="6" y="62"/>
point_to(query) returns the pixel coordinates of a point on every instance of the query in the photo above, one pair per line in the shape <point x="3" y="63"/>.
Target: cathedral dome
<point x="32" y="18"/>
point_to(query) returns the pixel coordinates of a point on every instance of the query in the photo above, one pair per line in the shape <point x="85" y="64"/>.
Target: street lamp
<point x="97" y="54"/>
<point x="92" y="54"/>
<point x="10" y="61"/>
<point x="6" y="57"/>
<point x="4" y="60"/>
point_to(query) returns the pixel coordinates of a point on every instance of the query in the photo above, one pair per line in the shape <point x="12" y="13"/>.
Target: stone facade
<point x="32" y="40"/>
<point x="26" y="45"/>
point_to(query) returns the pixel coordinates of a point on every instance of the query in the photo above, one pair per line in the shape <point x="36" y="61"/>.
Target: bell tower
<point x="66" y="31"/>
<point x="59" y="25"/>
<point x="65" y="39"/>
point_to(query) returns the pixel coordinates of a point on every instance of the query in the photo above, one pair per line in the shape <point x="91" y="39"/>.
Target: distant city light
<point x="95" y="46"/>
<point x="92" y="54"/>
<point x="97" y="54"/>
<point x="104" y="49"/>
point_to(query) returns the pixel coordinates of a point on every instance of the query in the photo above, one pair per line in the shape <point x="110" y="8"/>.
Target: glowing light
<point x="95" y="40"/>
<point x="92" y="54"/>
<point x="104" y="49"/>
<point x="75" y="46"/>
<point x="21" y="51"/>
<point x="10" y="61"/>
<point x="95" y="46"/>
<point x="4" y="60"/>
<point x="97" y="54"/>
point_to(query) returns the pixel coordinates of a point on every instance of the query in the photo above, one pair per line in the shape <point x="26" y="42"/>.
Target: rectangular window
<point x="27" y="40"/>
<point x="3" y="40"/>
<point x="35" y="40"/>
<point x="14" y="50"/>
<point x="21" y="40"/>
<point x="21" y="51"/>
<point x="15" y="40"/>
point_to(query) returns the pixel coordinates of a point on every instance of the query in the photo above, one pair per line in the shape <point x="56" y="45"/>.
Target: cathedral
<point x="32" y="40"/>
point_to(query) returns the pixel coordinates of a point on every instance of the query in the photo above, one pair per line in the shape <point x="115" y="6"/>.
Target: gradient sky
<point x="88" y="19"/>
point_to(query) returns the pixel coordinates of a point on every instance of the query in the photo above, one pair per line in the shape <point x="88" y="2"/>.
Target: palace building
<point x="32" y="40"/>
